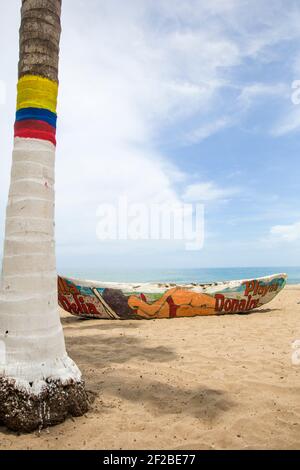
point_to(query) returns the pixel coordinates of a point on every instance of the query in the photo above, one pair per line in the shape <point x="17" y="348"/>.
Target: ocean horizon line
<point x="180" y="275"/>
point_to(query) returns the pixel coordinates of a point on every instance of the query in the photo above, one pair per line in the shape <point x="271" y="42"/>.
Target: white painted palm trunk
<point x="32" y="347"/>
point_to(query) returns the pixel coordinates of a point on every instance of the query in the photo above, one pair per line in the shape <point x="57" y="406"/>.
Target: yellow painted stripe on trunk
<point x="37" y="92"/>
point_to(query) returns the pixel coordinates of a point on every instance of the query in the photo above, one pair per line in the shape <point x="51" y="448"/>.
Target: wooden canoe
<point x="111" y="300"/>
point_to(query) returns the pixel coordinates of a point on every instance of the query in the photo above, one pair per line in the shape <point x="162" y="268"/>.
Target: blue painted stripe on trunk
<point x="37" y="114"/>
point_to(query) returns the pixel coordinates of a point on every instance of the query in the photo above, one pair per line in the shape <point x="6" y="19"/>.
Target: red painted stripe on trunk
<point x="34" y="124"/>
<point x="35" y="134"/>
<point x="35" y="129"/>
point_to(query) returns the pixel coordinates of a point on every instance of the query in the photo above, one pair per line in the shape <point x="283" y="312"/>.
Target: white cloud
<point x="296" y="67"/>
<point x="205" y="131"/>
<point x="289" y="123"/>
<point x="288" y="233"/>
<point x="255" y="91"/>
<point x="208" y="192"/>
<point x="122" y="82"/>
<point x="128" y="72"/>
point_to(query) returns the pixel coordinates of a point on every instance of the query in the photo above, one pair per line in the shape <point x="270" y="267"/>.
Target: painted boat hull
<point x="103" y="300"/>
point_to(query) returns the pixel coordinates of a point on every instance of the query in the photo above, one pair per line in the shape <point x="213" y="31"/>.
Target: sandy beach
<point x="219" y="382"/>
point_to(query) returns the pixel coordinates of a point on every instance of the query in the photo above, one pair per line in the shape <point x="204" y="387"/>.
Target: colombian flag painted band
<point x="37" y="92"/>
<point x="36" y="108"/>
<point x="38" y="114"/>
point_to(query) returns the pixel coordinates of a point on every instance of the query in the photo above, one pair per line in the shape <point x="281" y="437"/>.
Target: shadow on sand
<point x="259" y="310"/>
<point x="202" y="402"/>
<point x="96" y="357"/>
<point x="103" y="351"/>
<point x="87" y="324"/>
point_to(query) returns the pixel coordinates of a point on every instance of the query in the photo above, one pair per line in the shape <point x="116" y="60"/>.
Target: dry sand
<point x="222" y="382"/>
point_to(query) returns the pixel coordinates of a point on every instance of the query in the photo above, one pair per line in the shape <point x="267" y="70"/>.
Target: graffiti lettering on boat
<point x="224" y="304"/>
<point x="259" y="288"/>
<point x="79" y="305"/>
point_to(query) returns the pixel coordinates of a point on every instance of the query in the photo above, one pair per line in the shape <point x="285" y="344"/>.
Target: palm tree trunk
<point x="39" y="383"/>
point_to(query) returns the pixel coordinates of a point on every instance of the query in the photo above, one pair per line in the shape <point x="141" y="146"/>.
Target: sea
<point x="182" y="275"/>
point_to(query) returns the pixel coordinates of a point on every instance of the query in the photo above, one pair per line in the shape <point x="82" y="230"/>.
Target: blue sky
<point x="172" y="101"/>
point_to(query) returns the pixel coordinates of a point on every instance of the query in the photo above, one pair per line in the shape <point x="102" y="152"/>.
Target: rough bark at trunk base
<point x="24" y="412"/>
